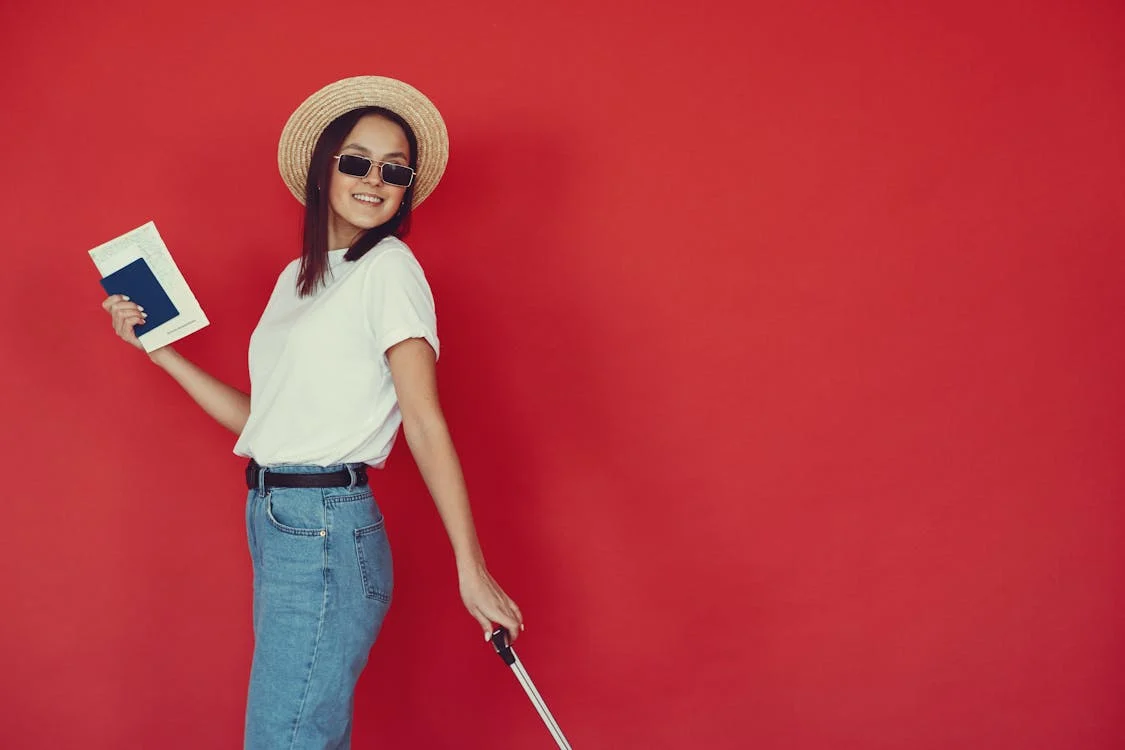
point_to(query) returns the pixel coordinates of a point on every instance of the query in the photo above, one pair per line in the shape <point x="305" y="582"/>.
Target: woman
<point x="344" y="353"/>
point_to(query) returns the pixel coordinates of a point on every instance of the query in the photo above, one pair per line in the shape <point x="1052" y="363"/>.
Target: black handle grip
<point x="502" y="646"/>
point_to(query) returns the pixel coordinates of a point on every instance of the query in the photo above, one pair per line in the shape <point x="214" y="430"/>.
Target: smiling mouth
<point x="368" y="200"/>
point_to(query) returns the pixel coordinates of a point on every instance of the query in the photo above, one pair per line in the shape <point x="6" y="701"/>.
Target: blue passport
<point x="137" y="282"/>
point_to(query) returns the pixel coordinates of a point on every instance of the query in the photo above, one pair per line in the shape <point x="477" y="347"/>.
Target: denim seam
<point x="291" y="530"/>
<point x="316" y="645"/>
<point x="348" y="498"/>
<point x="369" y="590"/>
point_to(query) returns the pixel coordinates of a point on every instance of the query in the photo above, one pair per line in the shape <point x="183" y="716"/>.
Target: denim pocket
<point x="295" y="513"/>
<point x="373" y="552"/>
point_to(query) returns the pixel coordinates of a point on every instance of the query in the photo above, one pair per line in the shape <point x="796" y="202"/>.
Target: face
<point x="361" y="203"/>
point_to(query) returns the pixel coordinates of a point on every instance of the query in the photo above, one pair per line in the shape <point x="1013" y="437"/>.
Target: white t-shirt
<point x="320" y="386"/>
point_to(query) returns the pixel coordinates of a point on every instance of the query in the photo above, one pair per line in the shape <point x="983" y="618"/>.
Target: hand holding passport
<point x="138" y="265"/>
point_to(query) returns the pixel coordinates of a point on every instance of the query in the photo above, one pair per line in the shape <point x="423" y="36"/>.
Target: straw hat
<point x="299" y="136"/>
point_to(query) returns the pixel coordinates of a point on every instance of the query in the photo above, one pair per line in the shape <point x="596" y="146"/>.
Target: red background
<point x="782" y="345"/>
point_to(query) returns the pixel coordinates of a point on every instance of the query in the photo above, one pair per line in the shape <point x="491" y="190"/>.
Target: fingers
<point x="508" y="608"/>
<point x="119" y="304"/>
<point x="114" y="301"/>
<point x="511" y="623"/>
<point x="488" y="604"/>
<point x="508" y="623"/>
<point x="125" y="308"/>
<point x="123" y="324"/>
<point x="127" y="318"/>
<point x="125" y="315"/>
<point x="485" y="624"/>
<point x="505" y="614"/>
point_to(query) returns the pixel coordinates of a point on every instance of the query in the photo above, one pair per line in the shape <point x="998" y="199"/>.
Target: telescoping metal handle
<point x="502" y="643"/>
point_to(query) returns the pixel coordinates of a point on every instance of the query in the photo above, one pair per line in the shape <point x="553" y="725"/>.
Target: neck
<point x="338" y="240"/>
<point x="341" y="234"/>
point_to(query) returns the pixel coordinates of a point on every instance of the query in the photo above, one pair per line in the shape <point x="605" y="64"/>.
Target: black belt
<point x="341" y="478"/>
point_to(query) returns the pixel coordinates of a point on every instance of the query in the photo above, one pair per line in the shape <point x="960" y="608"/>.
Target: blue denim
<point x="322" y="585"/>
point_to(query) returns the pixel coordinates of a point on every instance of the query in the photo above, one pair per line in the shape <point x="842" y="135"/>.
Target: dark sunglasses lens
<point x="356" y="166"/>
<point x="397" y="174"/>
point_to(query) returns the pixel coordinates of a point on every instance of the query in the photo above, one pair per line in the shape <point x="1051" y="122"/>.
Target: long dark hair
<point x="314" y="253"/>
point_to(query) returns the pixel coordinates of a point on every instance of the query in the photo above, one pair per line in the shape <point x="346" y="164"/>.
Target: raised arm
<point x="413" y="370"/>
<point x="227" y="405"/>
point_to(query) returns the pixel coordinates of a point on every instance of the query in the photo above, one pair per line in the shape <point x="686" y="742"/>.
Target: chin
<point x="369" y="223"/>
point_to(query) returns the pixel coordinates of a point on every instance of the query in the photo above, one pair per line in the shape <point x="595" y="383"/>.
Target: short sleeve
<point x="398" y="302"/>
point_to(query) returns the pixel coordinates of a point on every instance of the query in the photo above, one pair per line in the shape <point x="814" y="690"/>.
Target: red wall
<point x="783" y="346"/>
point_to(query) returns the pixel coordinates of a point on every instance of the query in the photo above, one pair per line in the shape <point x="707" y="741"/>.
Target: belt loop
<point x="351" y="477"/>
<point x="262" y="481"/>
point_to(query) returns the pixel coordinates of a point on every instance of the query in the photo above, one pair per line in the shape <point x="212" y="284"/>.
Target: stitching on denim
<point x="369" y="589"/>
<point x="354" y="497"/>
<point x="291" y="530"/>
<point x="316" y="644"/>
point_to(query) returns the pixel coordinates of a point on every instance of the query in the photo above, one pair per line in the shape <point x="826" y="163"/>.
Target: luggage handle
<point x="502" y="643"/>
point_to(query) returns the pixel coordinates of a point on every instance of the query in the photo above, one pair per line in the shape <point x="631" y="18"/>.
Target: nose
<point x="374" y="175"/>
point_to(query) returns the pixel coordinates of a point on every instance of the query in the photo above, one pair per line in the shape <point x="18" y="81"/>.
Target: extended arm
<point x="224" y="403"/>
<point x="413" y="369"/>
<point x="227" y="405"/>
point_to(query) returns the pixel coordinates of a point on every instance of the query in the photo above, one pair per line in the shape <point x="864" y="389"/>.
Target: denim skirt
<point x="322" y="585"/>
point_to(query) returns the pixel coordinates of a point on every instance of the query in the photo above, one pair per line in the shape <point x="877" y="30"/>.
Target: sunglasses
<point x="398" y="175"/>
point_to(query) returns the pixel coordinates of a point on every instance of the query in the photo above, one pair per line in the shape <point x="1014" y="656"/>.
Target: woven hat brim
<point x="308" y="121"/>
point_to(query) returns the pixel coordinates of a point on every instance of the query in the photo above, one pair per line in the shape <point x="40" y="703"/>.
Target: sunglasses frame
<point x="371" y="163"/>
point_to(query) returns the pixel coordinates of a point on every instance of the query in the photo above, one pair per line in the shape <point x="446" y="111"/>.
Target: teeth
<point x="368" y="198"/>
